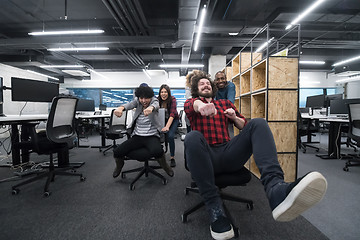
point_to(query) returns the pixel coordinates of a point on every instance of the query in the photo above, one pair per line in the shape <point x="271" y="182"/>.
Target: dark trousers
<point x="205" y="161"/>
<point x="140" y="148"/>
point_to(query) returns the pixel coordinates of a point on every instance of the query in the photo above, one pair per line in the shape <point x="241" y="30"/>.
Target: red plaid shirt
<point x="173" y="111"/>
<point x="214" y="129"/>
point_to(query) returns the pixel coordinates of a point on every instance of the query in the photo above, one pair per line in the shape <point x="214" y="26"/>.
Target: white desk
<point x="102" y="118"/>
<point x="14" y="121"/>
<point x="334" y="139"/>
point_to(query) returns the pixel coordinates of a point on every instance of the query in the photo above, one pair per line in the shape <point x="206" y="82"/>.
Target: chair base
<point x="354" y="161"/>
<point x="304" y="145"/>
<point x="145" y="170"/>
<point x="50" y="175"/>
<point x="224" y="196"/>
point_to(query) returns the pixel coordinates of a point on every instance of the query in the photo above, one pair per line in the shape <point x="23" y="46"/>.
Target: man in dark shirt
<point x="209" y="151"/>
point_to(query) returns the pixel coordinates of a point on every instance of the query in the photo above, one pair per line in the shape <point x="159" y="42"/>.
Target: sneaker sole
<point x="309" y="191"/>
<point x="222" y="236"/>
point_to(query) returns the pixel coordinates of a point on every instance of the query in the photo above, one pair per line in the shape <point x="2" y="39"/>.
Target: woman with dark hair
<point x="171" y="118"/>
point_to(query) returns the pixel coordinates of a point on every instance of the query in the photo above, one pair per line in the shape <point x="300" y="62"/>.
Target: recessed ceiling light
<point x="70" y="32"/>
<point x="62" y="66"/>
<point x="78" y="49"/>
<point x="76" y="73"/>
<point x="181" y="65"/>
<point x="312" y="62"/>
<point x="233" y="33"/>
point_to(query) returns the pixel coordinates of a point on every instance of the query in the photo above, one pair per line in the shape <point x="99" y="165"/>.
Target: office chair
<point x="60" y="135"/>
<point x="354" y="134"/>
<point x="116" y="130"/>
<point x="146" y="169"/>
<point x="306" y="128"/>
<point x="237" y="178"/>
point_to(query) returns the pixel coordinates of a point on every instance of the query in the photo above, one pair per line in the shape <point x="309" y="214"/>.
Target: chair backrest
<point x="118" y="124"/>
<point x="60" y="126"/>
<point x="354" y="122"/>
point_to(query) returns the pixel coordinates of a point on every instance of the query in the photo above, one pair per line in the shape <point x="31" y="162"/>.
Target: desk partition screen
<point x="28" y="90"/>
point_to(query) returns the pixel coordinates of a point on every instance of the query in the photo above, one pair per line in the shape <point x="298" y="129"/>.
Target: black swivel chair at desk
<point x="146" y="169"/>
<point x="237" y="178"/>
<point x="354" y="134"/>
<point x="59" y="137"/>
<point x="116" y="130"/>
<point x="307" y="128"/>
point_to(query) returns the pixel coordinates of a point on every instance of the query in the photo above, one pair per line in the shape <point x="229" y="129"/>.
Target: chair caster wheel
<point x="104" y="153"/>
<point x="250" y="206"/>
<point x="123" y="175"/>
<point x="186" y="192"/>
<point x="82" y="179"/>
<point x="47" y="194"/>
<point x="346" y="169"/>
<point x="183" y="218"/>
<point x="15" y="191"/>
<point x="165" y="181"/>
<point x="132" y="187"/>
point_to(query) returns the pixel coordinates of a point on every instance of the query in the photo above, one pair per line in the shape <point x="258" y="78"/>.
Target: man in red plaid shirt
<point x="209" y="151"/>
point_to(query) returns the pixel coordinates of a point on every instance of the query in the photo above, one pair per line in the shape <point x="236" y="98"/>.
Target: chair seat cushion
<point x="237" y="178"/>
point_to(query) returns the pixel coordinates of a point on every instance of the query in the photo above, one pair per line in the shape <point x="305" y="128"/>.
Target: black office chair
<point x="306" y="128"/>
<point x="60" y="135"/>
<point x="116" y="130"/>
<point x="354" y="134"/>
<point x="147" y="168"/>
<point x="237" y="178"/>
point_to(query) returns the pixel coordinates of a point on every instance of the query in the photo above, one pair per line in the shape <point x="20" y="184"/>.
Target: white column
<point x="216" y="63"/>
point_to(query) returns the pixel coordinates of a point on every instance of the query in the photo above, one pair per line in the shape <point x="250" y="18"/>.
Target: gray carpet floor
<point x="104" y="208"/>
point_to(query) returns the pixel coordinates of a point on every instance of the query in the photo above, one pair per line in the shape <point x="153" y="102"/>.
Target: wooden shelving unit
<point x="268" y="88"/>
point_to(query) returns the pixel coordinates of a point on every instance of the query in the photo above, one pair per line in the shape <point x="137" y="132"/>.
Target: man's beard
<point x="206" y="95"/>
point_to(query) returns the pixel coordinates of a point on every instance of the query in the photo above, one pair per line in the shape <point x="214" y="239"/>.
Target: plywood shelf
<point x="236" y="65"/>
<point x="236" y="81"/>
<point x="259" y="76"/>
<point x="245" y="82"/>
<point x="258" y="105"/>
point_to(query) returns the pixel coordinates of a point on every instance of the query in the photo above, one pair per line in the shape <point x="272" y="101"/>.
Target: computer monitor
<point x="85" y="105"/>
<point x="328" y="98"/>
<point x="316" y="101"/>
<point x="28" y="90"/>
<point x="339" y="107"/>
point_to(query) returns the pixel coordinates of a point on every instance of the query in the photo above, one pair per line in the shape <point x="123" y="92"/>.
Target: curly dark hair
<point x="168" y="101"/>
<point x="144" y="92"/>
<point x="195" y="81"/>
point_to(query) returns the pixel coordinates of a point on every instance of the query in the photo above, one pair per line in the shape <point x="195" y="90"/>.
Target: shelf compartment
<point x="283" y="72"/>
<point x="245" y="82"/>
<point x="259" y="76"/>
<point x="282" y="105"/>
<point x="245" y="106"/>
<point x="228" y="72"/>
<point x="258" y="105"/>
<point x="236" y="81"/>
<point x="284" y="135"/>
<point x="287" y="163"/>
<point x="246" y="62"/>
<point x="236" y="65"/>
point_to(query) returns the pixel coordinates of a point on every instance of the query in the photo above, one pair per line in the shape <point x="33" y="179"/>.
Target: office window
<point x="116" y="97"/>
<point x="87" y="93"/>
<point x="305" y="92"/>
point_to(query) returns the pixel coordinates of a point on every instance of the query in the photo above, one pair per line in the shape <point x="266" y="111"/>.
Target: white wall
<point x="14" y="108"/>
<point x="216" y="63"/>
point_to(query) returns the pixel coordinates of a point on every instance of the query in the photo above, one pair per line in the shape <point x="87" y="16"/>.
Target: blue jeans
<point x="171" y="136"/>
<point x="205" y="161"/>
